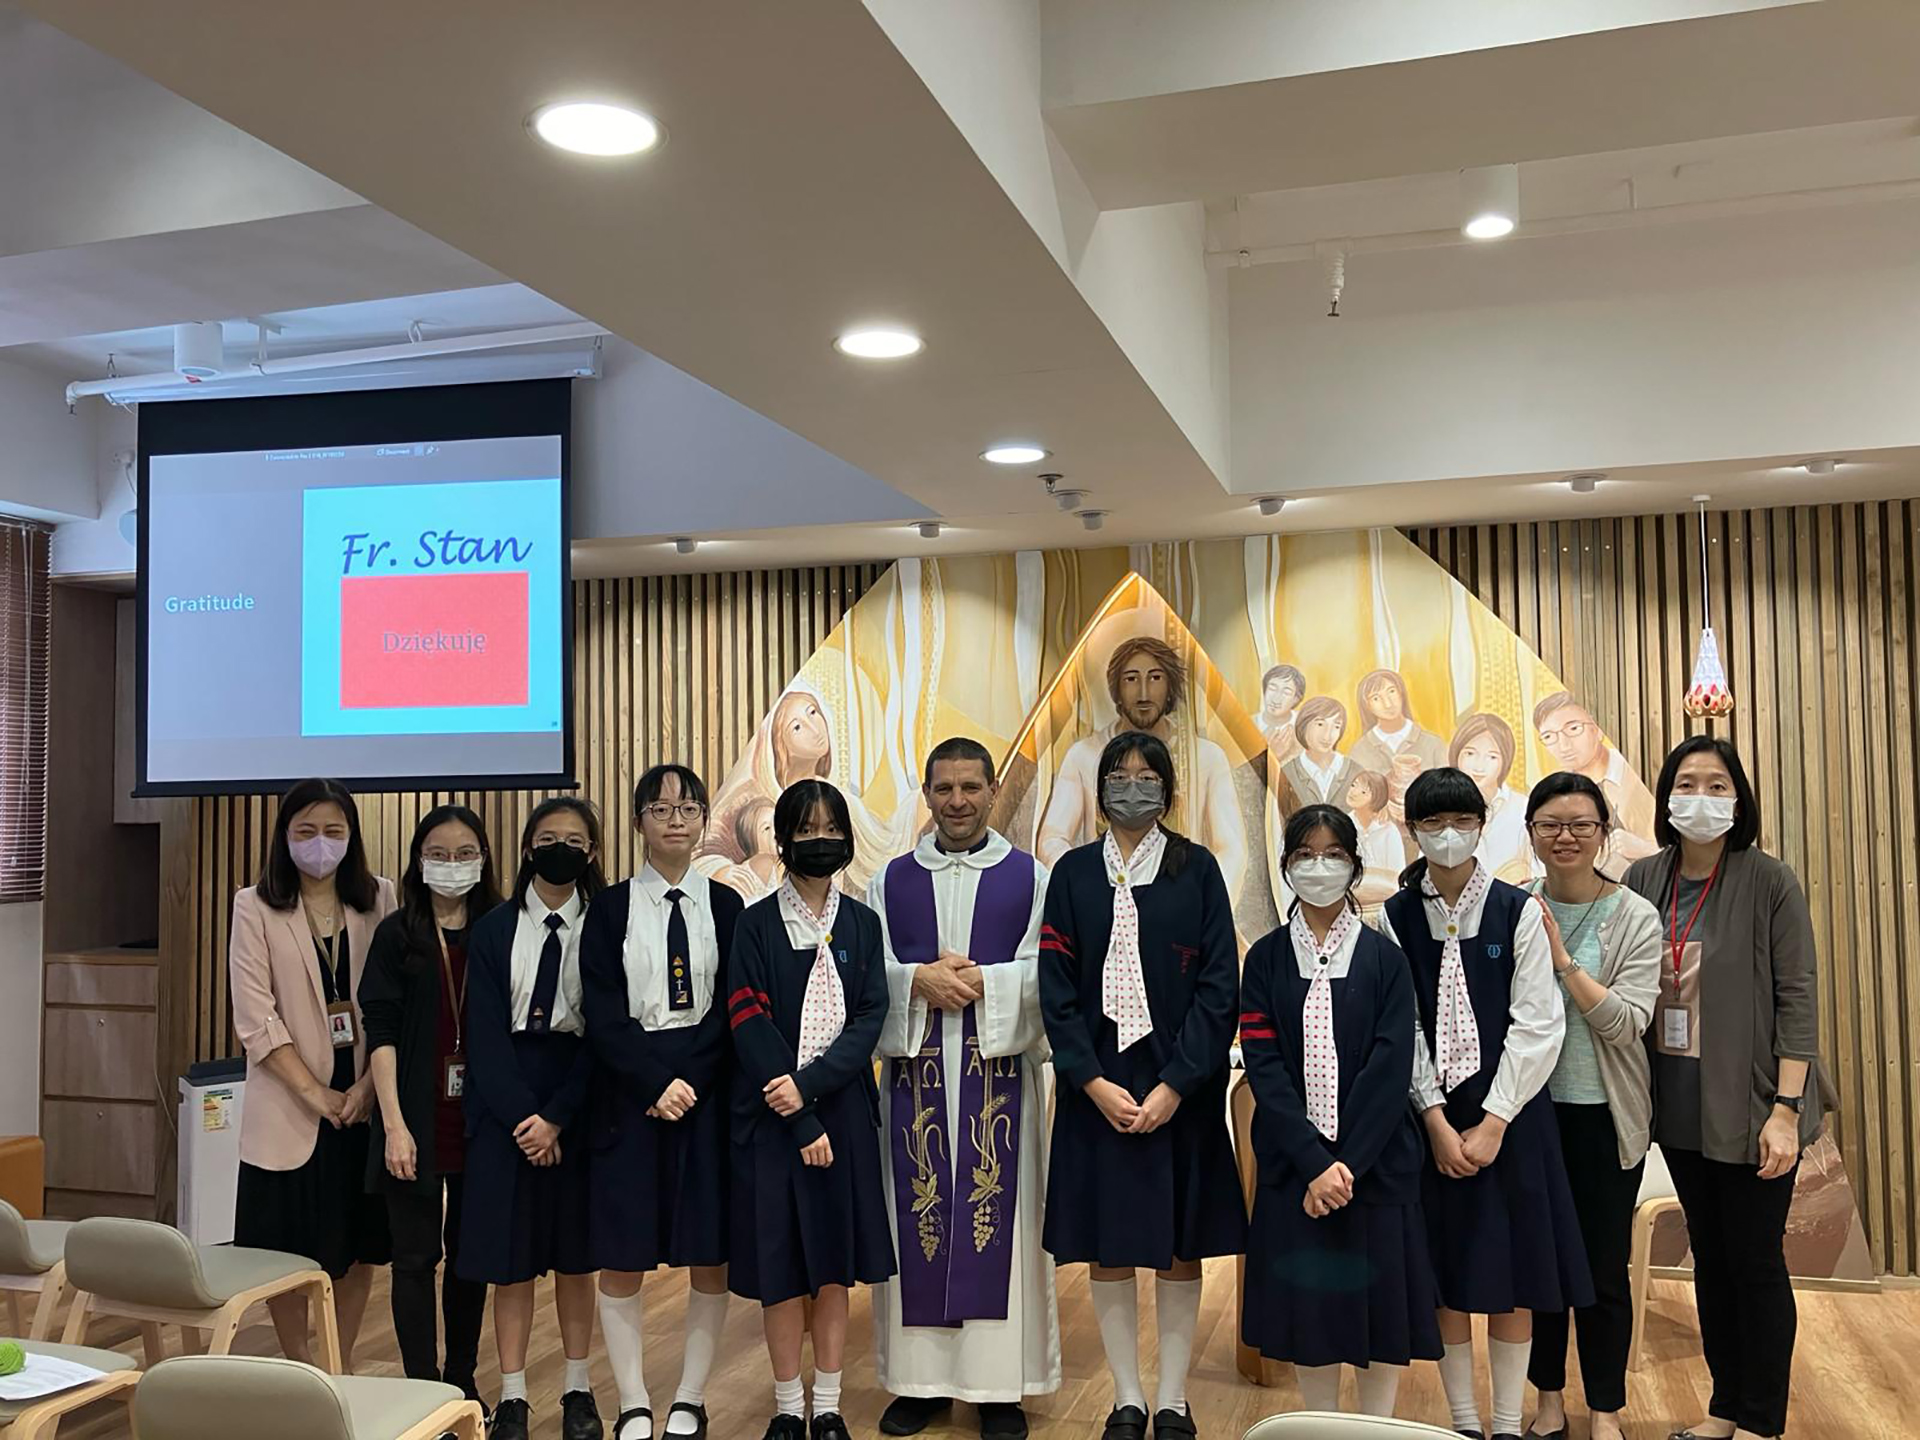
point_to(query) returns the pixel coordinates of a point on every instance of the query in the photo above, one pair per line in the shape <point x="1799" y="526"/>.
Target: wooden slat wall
<point x="1815" y="609"/>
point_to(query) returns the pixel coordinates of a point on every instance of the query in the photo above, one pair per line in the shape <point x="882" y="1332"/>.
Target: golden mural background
<point x="1815" y="607"/>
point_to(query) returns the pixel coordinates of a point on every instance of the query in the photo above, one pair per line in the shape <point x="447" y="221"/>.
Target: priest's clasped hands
<point x="952" y="982"/>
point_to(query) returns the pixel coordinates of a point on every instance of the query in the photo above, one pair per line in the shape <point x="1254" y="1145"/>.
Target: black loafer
<point x="510" y="1419"/>
<point x="699" y="1413"/>
<point x="1128" y="1422"/>
<point x="580" y="1417"/>
<point x="910" y="1414"/>
<point x="620" y="1422"/>
<point x="830" y="1426"/>
<point x="786" y="1427"/>
<point x="1002" y="1420"/>
<point x="1173" y="1424"/>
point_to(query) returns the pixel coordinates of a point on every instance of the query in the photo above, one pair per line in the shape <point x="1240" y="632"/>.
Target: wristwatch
<point x="1792" y="1102"/>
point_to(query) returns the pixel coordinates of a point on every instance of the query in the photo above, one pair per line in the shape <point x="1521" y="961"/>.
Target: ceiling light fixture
<point x="1822" y="465"/>
<point x="929" y="529"/>
<point x="199" y="349"/>
<point x="1271" y="504"/>
<point x="879" y="343"/>
<point x="1583" y="483"/>
<point x="1014" y="452"/>
<point x="685" y="544"/>
<point x="1093" y="519"/>
<point x="1070" y="499"/>
<point x="1490" y="201"/>
<point x="591" y="128"/>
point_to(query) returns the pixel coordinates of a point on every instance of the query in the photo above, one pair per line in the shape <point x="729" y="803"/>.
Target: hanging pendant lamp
<point x="1707" y="697"/>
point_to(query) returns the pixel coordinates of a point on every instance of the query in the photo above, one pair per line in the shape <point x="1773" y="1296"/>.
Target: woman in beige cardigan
<point x="299" y="942"/>
<point x="1606" y="953"/>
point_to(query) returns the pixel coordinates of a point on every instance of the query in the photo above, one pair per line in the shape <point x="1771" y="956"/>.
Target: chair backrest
<point x="139" y="1262"/>
<point x="1656" y="1181"/>
<point x="16" y="1250"/>
<point x="1312" y="1425"/>
<point x="193" y="1397"/>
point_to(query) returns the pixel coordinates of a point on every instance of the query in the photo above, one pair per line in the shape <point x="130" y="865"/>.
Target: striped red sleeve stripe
<point x="1261" y="1034"/>
<point x="743" y="1005"/>
<point x="1052" y="939"/>
<point x="1256" y="1026"/>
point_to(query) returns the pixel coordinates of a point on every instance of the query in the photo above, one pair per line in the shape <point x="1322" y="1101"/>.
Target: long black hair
<point x="416" y="900"/>
<point x="1154" y="754"/>
<point x="1440" y="791"/>
<point x="1746" y="809"/>
<point x="796" y="803"/>
<point x="279" y="883"/>
<point x="1571" y="782"/>
<point x="1346" y="838"/>
<point x="592" y="881"/>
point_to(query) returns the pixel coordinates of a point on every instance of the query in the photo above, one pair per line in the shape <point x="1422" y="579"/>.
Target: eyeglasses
<point x="1434" y="824"/>
<point x="1318" y="855"/>
<point x="661" y="812"/>
<point x="1552" y="829"/>
<point x="572" y="842"/>
<point x="465" y="855"/>
<point x="1123" y="777"/>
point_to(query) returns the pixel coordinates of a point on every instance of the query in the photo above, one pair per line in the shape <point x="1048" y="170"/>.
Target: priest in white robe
<point x="971" y="1315"/>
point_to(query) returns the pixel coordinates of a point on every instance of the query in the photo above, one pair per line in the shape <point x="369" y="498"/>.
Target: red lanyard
<point x="1676" y="937"/>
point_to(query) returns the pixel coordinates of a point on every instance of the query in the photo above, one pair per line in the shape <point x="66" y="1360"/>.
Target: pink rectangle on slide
<point x="424" y="641"/>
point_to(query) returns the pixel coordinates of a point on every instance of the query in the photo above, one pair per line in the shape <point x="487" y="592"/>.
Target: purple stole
<point x="951" y="1272"/>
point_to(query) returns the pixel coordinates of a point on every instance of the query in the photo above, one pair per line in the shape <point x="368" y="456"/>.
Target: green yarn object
<point x="12" y="1358"/>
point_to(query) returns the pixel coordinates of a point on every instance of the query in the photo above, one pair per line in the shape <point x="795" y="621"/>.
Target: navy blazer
<point x="496" y="1089"/>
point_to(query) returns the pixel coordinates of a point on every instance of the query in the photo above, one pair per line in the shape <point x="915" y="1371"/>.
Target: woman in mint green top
<point x="1606" y="953"/>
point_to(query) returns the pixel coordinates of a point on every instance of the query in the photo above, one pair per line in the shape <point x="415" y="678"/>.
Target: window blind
<point x="25" y="603"/>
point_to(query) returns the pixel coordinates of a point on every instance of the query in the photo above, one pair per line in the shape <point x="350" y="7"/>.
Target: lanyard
<point x="1676" y="937"/>
<point x="459" y="997"/>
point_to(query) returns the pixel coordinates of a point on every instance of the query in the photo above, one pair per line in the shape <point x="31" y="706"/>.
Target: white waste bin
<point x="210" y="1099"/>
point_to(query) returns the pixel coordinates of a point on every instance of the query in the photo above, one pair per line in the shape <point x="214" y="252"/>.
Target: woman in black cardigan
<point x="1140" y="989"/>
<point x="412" y="994"/>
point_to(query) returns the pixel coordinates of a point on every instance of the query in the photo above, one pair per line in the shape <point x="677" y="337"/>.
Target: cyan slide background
<point x="490" y="510"/>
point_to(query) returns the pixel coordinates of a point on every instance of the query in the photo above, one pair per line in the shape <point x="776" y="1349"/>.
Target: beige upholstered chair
<point x="1312" y="1425"/>
<point x="32" y="1262"/>
<point x="40" y="1419"/>
<point x="1657" y="1197"/>
<point x="196" y="1396"/>
<point x="153" y="1274"/>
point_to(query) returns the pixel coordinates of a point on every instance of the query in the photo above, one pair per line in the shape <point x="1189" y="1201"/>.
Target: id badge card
<point x="455" y="1077"/>
<point x="1676" y="1020"/>
<point x="340" y="1024"/>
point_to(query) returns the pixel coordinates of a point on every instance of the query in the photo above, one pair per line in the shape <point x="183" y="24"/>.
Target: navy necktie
<point x="679" y="973"/>
<point x="546" y="982"/>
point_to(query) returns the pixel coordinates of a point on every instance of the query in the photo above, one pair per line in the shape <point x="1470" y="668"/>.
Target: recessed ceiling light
<point x="590" y="128"/>
<point x="1093" y="519"/>
<point x="1487" y="227"/>
<point x="879" y="344"/>
<point x="1069" y="499"/>
<point x="686" y="544"/>
<point x="929" y="529"/>
<point x="1822" y="465"/>
<point x="1583" y="483"/>
<point x="1271" y="504"/>
<point x="1014" y="453"/>
<point x="1490" y="201"/>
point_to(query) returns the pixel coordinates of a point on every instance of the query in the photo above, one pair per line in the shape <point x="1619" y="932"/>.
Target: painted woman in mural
<point x="1383" y="846"/>
<point x="1393" y="741"/>
<point x="1483" y="747"/>
<point x="1320" y="774"/>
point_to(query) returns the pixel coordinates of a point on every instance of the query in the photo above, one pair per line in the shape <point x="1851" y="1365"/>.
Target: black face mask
<point x="817" y="859"/>
<point x="559" y="864"/>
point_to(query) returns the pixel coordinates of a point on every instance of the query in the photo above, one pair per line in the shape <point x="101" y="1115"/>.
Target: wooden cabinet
<point x="103" y="1113"/>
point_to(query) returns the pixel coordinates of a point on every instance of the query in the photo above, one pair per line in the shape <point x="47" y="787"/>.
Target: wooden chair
<point x="1313" y="1425"/>
<point x="1251" y="1364"/>
<point x="196" y="1396"/>
<point x="40" y="1419"/>
<point x="32" y="1262"/>
<point x="155" y="1275"/>
<point x="1657" y="1198"/>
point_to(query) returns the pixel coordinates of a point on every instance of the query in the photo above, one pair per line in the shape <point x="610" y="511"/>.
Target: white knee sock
<point x="622" y="1322"/>
<point x="706" y="1318"/>
<point x="826" y="1393"/>
<point x="1507" y="1359"/>
<point x="1116" y="1307"/>
<point x="790" y="1397"/>
<point x="1319" y="1387"/>
<point x="578" y="1377"/>
<point x="1379" y="1387"/>
<point x="1456" y="1374"/>
<point x="1177" y="1310"/>
<point x="513" y="1385"/>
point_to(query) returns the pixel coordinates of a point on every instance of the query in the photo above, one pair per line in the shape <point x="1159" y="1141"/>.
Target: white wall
<point x="20" y="1019"/>
<point x="46" y="455"/>
<point x="96" y="547"/>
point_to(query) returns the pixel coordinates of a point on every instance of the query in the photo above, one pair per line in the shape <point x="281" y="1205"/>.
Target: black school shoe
<point x="580" y="1417"/>
<point x="620" y="1421"/>
<point x="1170" y="1424"/>
<point x="910" y="1414"/>
<point x="1002" y="1420"/>
<point x="1128" y="1422"/>
<point x="699" y="1413"/>
<point x="510" y="1420"/>
<point x="786" y="1427"/>
<point x="830" y="1427"/>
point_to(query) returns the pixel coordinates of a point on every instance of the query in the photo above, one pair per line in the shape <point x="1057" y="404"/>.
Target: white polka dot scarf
<point x="823" y="1013"/>
<point x="1321" y="1057"/>
<point x="1456" y="1031"/>
<point x="1123" y="985"/>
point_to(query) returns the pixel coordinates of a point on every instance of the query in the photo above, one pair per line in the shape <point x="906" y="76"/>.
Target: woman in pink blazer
<point x="300" y="939"/>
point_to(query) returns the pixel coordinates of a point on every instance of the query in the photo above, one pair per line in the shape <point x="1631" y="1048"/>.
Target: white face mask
<point x="1320" y="881"/>
<point x="1449" y="847"/>
<point x="451" y="877"/>
<point x="1702" y="818"/>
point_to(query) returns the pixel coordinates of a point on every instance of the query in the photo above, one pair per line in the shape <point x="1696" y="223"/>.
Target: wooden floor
<point x="1851" y="1378"/>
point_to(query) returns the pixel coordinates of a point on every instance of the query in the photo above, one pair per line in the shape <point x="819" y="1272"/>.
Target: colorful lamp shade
<point x="1708" y="697"/>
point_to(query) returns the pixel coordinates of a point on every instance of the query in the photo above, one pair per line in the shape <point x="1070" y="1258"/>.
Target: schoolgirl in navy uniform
<point x="1337" y="1262"/>
<point x="807" y="998"/>
<point x="1505" y="1235"/>
<point x="653" y="963"/>
<point x="1139" y="987"/>
<point x="527" y="1082"/>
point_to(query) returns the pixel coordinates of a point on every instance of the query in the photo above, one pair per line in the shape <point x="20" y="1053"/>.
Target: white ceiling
<point x="1717" y="273"/>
